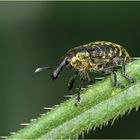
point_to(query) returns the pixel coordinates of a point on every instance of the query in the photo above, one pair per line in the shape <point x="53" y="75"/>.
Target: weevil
<point x="100" y="57"/>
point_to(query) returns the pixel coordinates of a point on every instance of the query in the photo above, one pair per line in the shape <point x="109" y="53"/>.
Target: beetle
<point x="100" y="57"/>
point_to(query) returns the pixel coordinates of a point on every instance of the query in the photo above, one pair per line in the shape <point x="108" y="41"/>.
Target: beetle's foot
<point x="119" y="85"/>
<point x="130" y="78"/>
<point x="77" y="102"/>
<point x="91" y="82"/>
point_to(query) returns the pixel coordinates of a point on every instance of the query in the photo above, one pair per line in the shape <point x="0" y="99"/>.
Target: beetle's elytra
<point x="99" y="57"/>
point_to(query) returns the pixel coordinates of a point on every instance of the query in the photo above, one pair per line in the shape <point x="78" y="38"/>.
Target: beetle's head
<point x="57" y="70"/>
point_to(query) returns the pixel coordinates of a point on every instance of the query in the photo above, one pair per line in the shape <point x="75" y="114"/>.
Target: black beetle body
<point x="99" y="56"/>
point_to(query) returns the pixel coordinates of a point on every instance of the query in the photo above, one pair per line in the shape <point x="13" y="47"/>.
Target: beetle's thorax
<point x="82" y="62"/>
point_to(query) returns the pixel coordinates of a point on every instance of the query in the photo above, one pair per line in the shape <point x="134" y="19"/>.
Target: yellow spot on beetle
<point x="110" y="55"/>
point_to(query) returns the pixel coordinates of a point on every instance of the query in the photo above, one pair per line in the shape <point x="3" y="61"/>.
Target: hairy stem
<point x="98" y="114"/>
<point x="66" y="114"/>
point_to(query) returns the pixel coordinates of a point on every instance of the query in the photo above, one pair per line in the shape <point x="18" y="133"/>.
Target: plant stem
<point x="98" y="114"/>
<point x="94" y="96"/>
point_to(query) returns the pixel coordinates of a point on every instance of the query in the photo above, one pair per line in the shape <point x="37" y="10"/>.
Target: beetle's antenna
<point x="42" y="69"/>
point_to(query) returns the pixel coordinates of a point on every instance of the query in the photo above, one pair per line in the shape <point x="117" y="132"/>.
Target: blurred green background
<point x="34" y="34"/>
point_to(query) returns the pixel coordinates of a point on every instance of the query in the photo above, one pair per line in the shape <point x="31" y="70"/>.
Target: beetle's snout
<point x="58" y="69"/>
<point x="54" y="75"/>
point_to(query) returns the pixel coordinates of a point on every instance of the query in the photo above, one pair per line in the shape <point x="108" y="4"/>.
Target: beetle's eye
<point x="67" y="61"/>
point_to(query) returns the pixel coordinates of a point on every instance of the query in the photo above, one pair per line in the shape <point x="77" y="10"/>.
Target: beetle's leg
<point x="125" y="74"/>
<point x="72" y="81"/>
<point x="120" y="60"/>
<point x="116" y="84"/>
<point x="115" y="81"/>
<point x="114" y="78"/>
<point x="82" y="81"/>
<point x="89" y="79"/>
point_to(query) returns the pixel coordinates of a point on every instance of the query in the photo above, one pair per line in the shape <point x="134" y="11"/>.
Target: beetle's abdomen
<point x="107" y="50"/>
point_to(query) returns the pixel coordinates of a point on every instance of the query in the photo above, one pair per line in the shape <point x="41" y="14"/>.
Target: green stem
<point x="63" y="114"/>
<point x="98" y="114"/>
